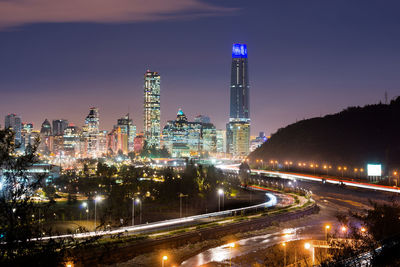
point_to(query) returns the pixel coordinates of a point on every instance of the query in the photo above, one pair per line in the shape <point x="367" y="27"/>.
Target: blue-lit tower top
<point x="239" y="51"/>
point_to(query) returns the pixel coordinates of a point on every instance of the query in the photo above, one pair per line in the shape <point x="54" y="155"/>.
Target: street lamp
<point x="137" y="201"/>
<point x="284" y="254"/>
<point x="327" y="227"/>
<point x="86" y="206"/>
<point x="164" y="258"/>
<point x="363" y="230"/>
<point x="309" y="246"/>
<point x="344" y="229"/>
<point x="97" y="199"/>
<point x="220" y="193"/>
<point x="231" y="246"/>
<point x="180" y="204"/>
<point x="133" y="209"/>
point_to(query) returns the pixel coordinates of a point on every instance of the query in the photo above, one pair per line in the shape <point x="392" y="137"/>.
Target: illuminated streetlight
<point x="284" y="253"/>
<point x="344" y="229"/>
<point x="86" y="206"/>
<point x="327" y="227"/>
<point x="97" y="199"/>
<point x="231" y="246"/>
<point x="220" y="193"/>
<point x="164" y="258"/>
<point x="309" y="246"/>
<point x="363" y="230"/>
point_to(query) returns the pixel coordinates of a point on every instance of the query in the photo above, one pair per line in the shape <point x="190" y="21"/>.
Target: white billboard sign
<point x="374" y="169"/>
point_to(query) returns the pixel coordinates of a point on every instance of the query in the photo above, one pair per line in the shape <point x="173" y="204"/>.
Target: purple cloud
<point x="19" y="12"/>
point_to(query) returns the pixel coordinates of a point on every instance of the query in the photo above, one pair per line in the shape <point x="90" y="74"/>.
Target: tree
<point x="376" y="227"/>
<point x="21" y="219"/>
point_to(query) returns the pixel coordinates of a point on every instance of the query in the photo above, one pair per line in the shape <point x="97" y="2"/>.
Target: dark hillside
<point x="355" y="136"/>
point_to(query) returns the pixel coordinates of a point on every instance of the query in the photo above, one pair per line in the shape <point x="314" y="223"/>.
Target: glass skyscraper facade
<point x="239" y="89"/>
<point x="184" y="138"/>
<point x="238" y="128"/>
<point x="152" y="108"/>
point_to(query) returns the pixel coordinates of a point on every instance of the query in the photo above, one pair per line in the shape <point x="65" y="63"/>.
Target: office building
<point x="14" y="123"/>
<point x="238" y="128"/>
<point x="91" y="133"/>
<point x="59" y="126"/>
<point x="72" y="138"/>
<point x="46" y="138"/>
<point x="152" y="108"/>
<point x="221" y="141"/>
<point x="183" y="138"/>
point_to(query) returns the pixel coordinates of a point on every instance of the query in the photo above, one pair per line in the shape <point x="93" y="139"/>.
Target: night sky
<point x="306" y="58"/>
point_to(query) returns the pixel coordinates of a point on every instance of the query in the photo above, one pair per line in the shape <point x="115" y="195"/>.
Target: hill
<point x="354" y="137"/>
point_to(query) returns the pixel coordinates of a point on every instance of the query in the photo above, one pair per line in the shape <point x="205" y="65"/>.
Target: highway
<point x="308" y="177"/>
<point x="155" y="226"/>
<point x="331" y="196"/>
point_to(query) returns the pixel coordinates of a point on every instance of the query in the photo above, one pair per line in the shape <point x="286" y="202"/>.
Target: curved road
<point x="329" y="195"/>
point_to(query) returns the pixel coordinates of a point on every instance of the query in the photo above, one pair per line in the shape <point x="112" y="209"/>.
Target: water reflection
<point x="244" y="246"/>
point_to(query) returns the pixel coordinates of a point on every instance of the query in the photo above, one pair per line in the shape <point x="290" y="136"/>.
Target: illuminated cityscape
<point x="199" y="133"/>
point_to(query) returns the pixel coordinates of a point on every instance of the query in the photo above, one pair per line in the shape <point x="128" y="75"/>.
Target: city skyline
<point x="305" y="62"/>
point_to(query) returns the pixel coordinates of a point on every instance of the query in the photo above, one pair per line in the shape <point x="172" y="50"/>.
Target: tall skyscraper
<point x="238" y="128"/>
<point x="59" y="126"/>
<point x="13" y="122"/>
<point x="91" y="132"/>
<point x="26" y="134"/>
<point x="239" y="106"/>
<point x="152" y="108"/>
<point x="46" y="138"/>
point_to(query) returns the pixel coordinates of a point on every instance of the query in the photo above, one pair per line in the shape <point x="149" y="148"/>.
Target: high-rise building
<point x="59" y="126"/>
<point x="121" y="138"/>
<point x="72" y="140"/>
<point x="139" y="143"/>
<point x="13" y="122"/>
<point x="152" y="108"/>
<point x="27" y="138"/>
<point x="183" y="138"/>
<point x="238" y="128"/>
<point x="45" y="129"/>
<point x="46" y="138"/>
<point x="221" y="141"/>
<point x="91" y="133"/>
<point x="239" y="89"/>
<point x="129" y="129"/>
<point x="256" y="142"/>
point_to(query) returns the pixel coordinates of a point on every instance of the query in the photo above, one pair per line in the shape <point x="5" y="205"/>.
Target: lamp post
<point x="284" y="254"/>
<point x="86" y="206"/>
<point x="341" y="169"/>
<point x="220" y="192"/>
<point x="133" y="209"/>
<point x="231" y="245"/>
<point x="137" y="201"/>
<point x="164" y="258"/>
<point x="97" y="199"/>
<point x="327" y="227"/>
<point x="180" y="203"/>
<point x="308" y="246"/>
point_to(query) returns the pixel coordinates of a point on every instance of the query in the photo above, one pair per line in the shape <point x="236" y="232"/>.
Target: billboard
<point x="374" y="169"/>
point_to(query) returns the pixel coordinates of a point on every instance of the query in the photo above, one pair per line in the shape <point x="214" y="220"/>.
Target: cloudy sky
<point x="306" y="58"/>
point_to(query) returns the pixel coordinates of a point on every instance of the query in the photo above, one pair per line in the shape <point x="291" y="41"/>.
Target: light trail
<point x="173" y="222"/>
<point x="294" y="176"/>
